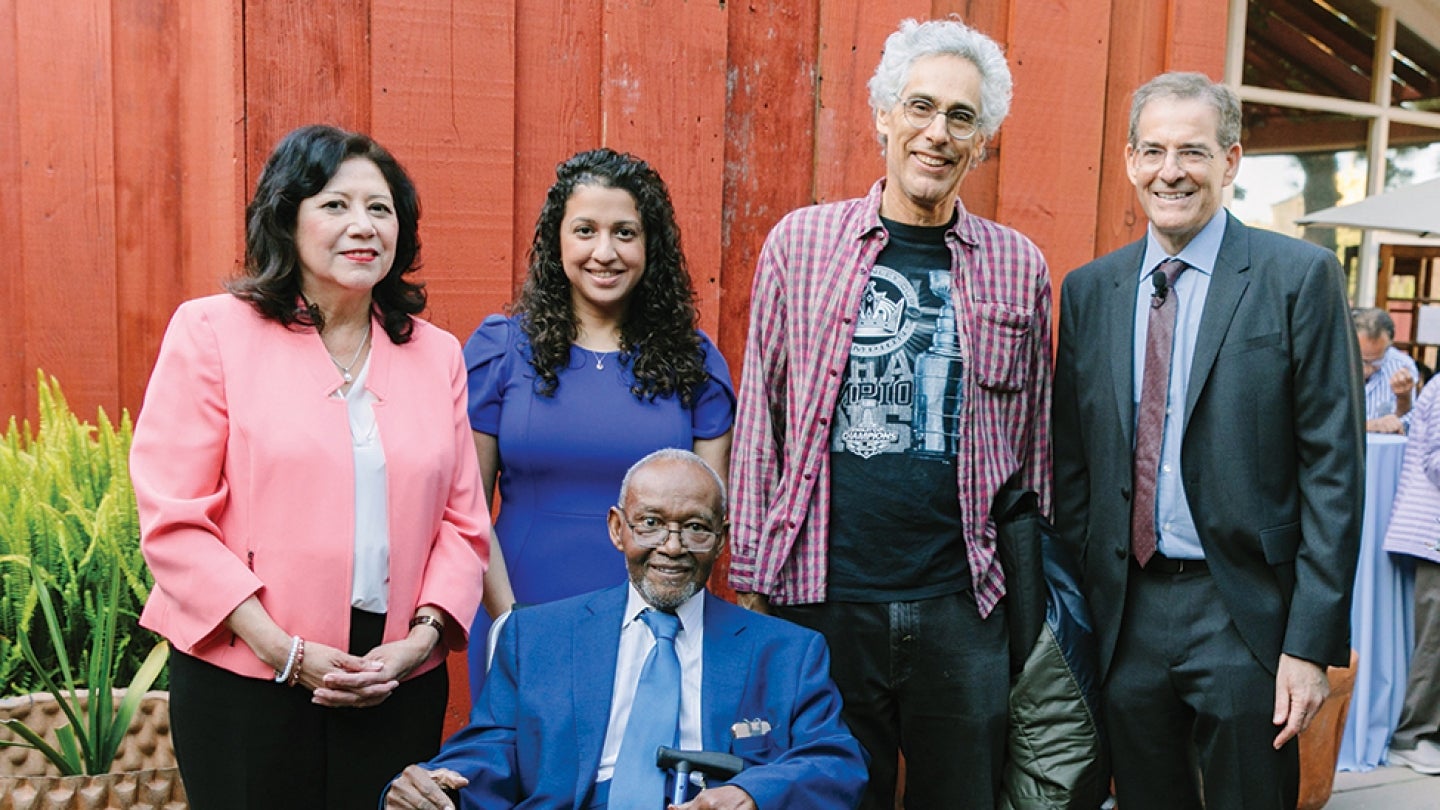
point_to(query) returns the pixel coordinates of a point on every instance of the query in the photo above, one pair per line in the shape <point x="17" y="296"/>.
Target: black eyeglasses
<point x="960" y="123"/>
<point x="652" y="532"/>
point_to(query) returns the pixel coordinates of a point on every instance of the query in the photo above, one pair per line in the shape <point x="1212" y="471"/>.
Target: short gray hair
<point x="916" y="40"/>
<point x="1373" y="322"/>
<point x="673" y="454"/>
<point x="1191" y="86"/>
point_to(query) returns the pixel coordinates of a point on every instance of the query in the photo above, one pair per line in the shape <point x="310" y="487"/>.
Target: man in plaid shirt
<point x="897" y="373"/>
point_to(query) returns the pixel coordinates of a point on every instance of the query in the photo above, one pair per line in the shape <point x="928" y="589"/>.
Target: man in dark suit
<point x="546" y="729"/>
<point x="1242" y="491"/>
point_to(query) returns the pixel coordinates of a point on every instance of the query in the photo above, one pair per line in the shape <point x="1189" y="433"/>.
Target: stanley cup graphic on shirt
<point x="904" y="388"/>
<point x="938" y="394"/>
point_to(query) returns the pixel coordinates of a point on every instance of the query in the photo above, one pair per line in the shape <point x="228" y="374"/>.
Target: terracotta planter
<point x="143" y="777"/>
<point x="1320" y="743"/>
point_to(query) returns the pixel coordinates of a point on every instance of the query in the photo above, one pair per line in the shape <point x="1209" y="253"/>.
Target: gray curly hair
<point x="917" y="40"/>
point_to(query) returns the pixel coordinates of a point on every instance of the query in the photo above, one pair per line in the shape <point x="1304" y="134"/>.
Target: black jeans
<point x="929" y="679"/>
<point x="249" y="743"/>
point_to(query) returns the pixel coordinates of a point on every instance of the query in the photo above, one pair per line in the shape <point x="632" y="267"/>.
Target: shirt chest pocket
<point x="1000" y="346"/>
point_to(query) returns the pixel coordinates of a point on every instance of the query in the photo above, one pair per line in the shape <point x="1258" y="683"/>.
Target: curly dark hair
<point x="657" y="334"/>
<point x="302" y="163"/>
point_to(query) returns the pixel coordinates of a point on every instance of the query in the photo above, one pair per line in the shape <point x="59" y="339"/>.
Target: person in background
<point x="1415" y="530"/>
<point x="565" y="718"/>
<point x="598" y="363"/>
<point x="308" y="495"/>
<point x="897" y="375"/>
<point x="1209" y="470"/>
<point x="1390" y="374"/>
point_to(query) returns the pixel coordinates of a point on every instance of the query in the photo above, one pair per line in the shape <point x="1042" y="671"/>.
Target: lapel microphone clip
<point x="1162" y="289"/>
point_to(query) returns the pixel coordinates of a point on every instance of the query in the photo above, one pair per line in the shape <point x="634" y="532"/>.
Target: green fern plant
<point x="67" y="507"/>
<point x="90" y="741"/>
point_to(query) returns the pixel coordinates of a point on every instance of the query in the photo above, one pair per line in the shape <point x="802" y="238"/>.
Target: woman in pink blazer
<point x="308" y="495"/>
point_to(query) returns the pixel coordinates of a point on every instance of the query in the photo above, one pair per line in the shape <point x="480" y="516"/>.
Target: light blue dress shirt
<point x="636" y="641"/>
<point x="1174" y="523"/>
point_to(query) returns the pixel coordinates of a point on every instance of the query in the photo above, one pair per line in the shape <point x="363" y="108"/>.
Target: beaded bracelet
<point x="299" y="659"/>
<point x="283" y="675"/>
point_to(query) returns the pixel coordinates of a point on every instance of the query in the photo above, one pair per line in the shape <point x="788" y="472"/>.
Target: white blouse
<point x="370" y="585"/>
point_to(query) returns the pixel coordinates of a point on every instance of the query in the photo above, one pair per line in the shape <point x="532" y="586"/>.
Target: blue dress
<point x="562" y="458"/>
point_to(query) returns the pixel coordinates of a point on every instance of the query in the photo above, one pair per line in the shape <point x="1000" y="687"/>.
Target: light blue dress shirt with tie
<point x="1174" y="523"/>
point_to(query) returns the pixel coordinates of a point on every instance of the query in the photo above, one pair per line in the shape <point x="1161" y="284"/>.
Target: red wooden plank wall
<point x="15" y="377"/>
<point x="443" y="98"/>
<point x="131" y="132"/>
<point x="65" y="258"/>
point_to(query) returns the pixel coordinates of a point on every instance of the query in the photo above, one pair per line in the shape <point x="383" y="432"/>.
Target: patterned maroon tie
<point x="1150" y="427"/>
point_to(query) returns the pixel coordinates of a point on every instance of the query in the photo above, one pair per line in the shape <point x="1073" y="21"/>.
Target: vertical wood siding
<point x="15" y="379"/>
<point x="146" y="144"/>
<point x="66" y="254"/>
<point x="131" y="132"/>
<point x="1048" y="185"/>
<point x="443" y="98"/>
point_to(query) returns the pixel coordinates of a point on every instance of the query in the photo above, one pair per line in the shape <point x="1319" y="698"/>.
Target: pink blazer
<point x="244" y="479"/>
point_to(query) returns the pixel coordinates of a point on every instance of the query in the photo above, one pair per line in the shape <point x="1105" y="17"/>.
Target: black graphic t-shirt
<point x="895" y="527"/>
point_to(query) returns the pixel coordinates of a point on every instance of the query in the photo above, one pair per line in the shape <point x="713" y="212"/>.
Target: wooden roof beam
<point x="1277" y="134"/>
<point x="1343" y="80"/>
<point x="1276" y="67"/>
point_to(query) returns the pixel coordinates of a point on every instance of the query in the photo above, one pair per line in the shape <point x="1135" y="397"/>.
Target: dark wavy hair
<point x="657" y="335"/>
<point x="303" y="162"/>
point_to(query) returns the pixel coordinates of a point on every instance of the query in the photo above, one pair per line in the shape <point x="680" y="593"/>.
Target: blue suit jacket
<point x="538" y="726"/>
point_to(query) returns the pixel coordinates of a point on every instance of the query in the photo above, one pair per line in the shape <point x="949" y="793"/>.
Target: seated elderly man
<point x="1390" y="374"/>
<point x="583" y="691"/>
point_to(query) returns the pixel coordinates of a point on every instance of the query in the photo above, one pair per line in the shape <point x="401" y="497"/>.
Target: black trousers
<point x="929" y="678"/>
<point x="1188" y="708"/>
<point x="251" y="744"/>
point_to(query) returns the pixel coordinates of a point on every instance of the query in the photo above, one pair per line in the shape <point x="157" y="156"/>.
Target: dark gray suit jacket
<point x="1273" y="450"/>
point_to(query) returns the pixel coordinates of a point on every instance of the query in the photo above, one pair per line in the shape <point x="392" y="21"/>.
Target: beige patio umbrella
<point x="1408" y="209"/>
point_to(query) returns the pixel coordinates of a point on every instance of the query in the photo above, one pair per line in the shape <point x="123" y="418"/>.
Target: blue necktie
<point x="638" y="784"/>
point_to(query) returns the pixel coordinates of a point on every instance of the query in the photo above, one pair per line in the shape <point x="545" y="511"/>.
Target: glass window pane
<point x="1295" y="162"/>
<point x="1413" y="157"/>
<point x="1303" y="46"/>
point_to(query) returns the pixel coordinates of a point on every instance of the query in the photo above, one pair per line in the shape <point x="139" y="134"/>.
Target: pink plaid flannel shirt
<point x="807" y="289"/>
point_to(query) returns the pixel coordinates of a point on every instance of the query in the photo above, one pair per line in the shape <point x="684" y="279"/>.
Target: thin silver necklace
<point x="599" y="358"/>
<point x="345" y="369"/>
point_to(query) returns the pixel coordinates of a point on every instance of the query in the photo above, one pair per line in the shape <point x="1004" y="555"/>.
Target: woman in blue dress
<point x="598" y="364"/>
